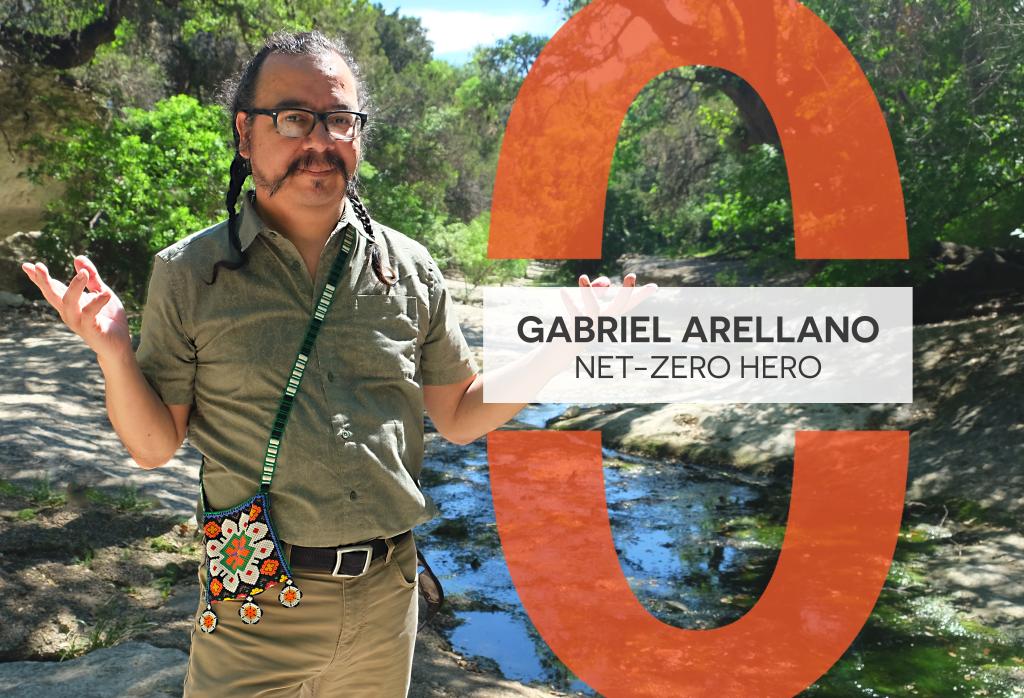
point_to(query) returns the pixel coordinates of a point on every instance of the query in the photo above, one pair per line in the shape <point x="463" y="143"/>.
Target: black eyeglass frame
<point x="319" y="116"/>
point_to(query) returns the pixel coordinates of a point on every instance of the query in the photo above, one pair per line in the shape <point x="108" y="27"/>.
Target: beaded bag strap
<point x="299" y="367"/>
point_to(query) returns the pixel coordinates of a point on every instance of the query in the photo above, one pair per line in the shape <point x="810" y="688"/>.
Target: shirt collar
<point x="250" y="224"/>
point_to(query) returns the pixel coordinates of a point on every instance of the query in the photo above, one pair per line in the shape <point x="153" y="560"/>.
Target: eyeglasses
<point x="342" y="125"/>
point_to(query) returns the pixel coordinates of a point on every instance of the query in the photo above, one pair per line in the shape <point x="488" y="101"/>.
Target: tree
<point x="133" y="186"/>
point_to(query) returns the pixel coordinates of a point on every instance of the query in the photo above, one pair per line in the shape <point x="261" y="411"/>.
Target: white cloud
<point x="453" y="31"/>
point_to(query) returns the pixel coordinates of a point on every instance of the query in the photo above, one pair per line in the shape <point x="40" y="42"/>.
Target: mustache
<point x="311" y="161"/>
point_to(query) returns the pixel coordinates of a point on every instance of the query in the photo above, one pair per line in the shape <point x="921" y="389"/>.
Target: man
<point x="226" y="310"/>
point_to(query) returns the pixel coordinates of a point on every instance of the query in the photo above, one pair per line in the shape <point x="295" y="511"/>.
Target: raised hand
<point x="625" y="299"/>
<point x="87" y="306"/>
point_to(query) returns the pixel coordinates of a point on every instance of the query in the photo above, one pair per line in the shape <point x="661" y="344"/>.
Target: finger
<point x="73" y="297"/>
<point x="95" y="283"/>
<point x="90" y="309"/>
<point x="630" y="280"/>
<point x="630" y="296"/>
<point x="53" y="290"/>
<point x="32" y="274"/>
<point x="568" y="303"/>
<point x="590" y="304"/>
<point x="601" y="286"/>
<point x="587" y="299"/>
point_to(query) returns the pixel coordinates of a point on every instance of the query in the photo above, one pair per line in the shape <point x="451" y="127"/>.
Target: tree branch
<point x="63" y="52"/>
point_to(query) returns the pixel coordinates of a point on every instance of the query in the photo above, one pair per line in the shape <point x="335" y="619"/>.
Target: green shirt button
<point x="330" y="376"/>
<point x="353" y="496"/>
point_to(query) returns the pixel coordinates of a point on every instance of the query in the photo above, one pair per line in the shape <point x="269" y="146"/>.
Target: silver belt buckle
<point x="368" y="549"/>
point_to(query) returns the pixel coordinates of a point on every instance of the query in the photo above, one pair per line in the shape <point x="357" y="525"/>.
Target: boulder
<point x="130" y="669"/>
<point x="969" y="276"/>
<point x="11" y="300"/>
<point x="14" y="250"/>
<point x="706" y="271"/>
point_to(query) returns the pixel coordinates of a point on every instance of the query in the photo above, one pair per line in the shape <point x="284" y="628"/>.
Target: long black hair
<point x="239" y="94"/>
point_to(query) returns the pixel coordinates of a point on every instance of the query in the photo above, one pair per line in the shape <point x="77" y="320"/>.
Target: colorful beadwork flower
<point x="208" y="621"/>
<point x="235" y="556"/>
<point x="269" y="567"/>
<point x="250" y="613"/>
<point x="216" y="587"/>
<point x="212" y="529"/>
<point x="255" y="511"/>
<point x="290" y="596"/>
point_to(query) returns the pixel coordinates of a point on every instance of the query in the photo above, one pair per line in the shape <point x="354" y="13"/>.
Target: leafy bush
<point x="750" y="208"/>
<point x="464" y="245"/>
<point x="133" y="186"/>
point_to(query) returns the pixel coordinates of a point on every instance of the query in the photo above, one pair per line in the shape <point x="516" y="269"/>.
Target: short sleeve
<point x="166" y="354"/>
<point x="446" y="357"/>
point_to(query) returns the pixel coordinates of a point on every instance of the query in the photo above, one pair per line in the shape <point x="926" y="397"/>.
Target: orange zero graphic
<point x="548" y="487"/>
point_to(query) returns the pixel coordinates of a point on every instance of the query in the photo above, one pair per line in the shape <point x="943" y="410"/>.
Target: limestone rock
<point x="14" y="250"/>
<point x="127" y="670"/>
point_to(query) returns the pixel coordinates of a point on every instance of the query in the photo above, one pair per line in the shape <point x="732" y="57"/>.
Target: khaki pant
<point x="347" y="637"/>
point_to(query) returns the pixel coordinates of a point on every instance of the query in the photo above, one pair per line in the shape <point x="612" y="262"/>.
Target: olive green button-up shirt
<point x="353" y="447"/>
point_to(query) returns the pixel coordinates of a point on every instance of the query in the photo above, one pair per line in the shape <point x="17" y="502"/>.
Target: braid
<point x="239" y="172"/>
<point x="376" y="262"/>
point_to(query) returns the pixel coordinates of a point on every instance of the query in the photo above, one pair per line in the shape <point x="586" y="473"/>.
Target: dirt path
<point x="54" y="422"/>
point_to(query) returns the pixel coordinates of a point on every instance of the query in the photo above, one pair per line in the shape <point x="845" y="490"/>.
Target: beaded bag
<point x="244" y="557"/>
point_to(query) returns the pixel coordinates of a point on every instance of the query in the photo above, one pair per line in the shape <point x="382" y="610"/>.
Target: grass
<point x="162" y="545"/>
<point x="112" y="627"/>
<point x="86" y="557"/>
<point x="126" y="499"/>
<point x="43" y="494"/>
<point x="40" y="492"/>
<point x="169" y="577"/>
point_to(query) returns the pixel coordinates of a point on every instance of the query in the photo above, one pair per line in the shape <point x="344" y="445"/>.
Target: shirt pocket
<point x="383" y="336"/>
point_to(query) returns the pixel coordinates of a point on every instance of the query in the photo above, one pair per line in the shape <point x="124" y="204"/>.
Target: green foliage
<point x="40" y="492"/>
<point x="51" y="17"/>
<point x="751" y="209"/>
<point x="948" y="77"/>
<point x="126" y="499"/>
<point x="155" y="168"/>
<point x="465" y="247"/>
<point x="133" y="186"/>
<point x="690" y="175"/>
<point x="112" y="627"/>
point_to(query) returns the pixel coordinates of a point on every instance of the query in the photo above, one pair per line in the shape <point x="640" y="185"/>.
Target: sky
<point x="455" y="27"/>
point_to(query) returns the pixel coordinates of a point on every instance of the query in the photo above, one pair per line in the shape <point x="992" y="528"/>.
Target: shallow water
<point x="674" y="567"/>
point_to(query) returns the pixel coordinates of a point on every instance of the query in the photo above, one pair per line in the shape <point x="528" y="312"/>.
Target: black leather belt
<point x="344" y="560"/>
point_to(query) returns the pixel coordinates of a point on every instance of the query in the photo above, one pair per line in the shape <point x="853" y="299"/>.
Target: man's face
<point x="309" y="171"/>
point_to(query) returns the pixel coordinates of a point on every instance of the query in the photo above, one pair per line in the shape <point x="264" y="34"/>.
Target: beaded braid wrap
<point x="244" y="557"/>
